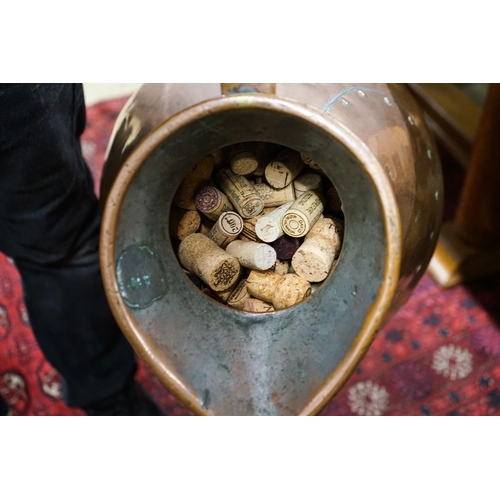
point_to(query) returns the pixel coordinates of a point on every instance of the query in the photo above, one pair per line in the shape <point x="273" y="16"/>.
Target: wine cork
<point x="281" y="267"/>
<point x="212" y="202"/>
<point x="227" y="228"/>
<point x="268" y="227"/>
<point x="206" y="224"/>
<point x="284" y="168"/>
<point x="330" y="228"/>
<point x="262" y="285"/>
<point x="195" y="179"/>
<point x="200" y="255"/>
<point x="225" y="294"/>
<point x="242" y="158"/>
<point x="332" y="201"/>
<point x="182" y="223"/>
<point x="257" y="306"/>
<point x="308" y="161"/>
<point x="292" y="290"/>
<point x="286" y="246"/>
<point x="275" y="197"/>
<point x="248" y="233"/>
<point x="238" y="296"/>
<point x="307" y="182"/>
<point x="241" y="193"/>
<point x="265" y="153"/>
<point x="302" y="215"/>
<point x="314" y="259"/>
<point x="253" y="255"/>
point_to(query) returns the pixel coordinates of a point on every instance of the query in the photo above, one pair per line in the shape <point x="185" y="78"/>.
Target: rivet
<point x="418" y="268"/>
<point x="429" y="154"/>
<point x="345" y="102"/>
<point x="410" y="120"/>
<point x="361" y="93"/>
<point x="436" y="195"/>
<point x="387" y="101"/>
<point x="432" y="235"/>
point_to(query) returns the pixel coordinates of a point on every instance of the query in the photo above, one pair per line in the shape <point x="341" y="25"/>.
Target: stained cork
<point x="275" y="197"/>
<point x="200" y="255"/>
<point x="182" y="223"/>
<point x="242" y="159"/>
<point x="302" y="215"/>
<point x="238" y="296"/>
<point x="281" y="267"/>
<point x="286" y="246"/>
<point x="268" y="227"/>
<point x="212" y="202"/>
<point x="284" y="168"/>
<point x="226" y="229"/>
<point x="314" y="259"/>
<point x="253" y="255"/>
<point x="292" y="290"/>
<point x="241" y="193"/>
<point x="257" y="306"/>
<point x="225" y="294"/>
<point x="262" y="284"/>
<point x="195" y="179"/>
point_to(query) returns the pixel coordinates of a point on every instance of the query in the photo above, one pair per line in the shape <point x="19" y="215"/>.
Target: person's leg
<point x="49" y="225"/>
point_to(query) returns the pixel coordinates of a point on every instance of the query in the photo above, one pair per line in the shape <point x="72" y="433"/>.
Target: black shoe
<point x="4" y="408"/>
<point x="131" y="401"/>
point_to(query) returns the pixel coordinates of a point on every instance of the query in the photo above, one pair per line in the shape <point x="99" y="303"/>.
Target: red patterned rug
<point x="440" y="355"/>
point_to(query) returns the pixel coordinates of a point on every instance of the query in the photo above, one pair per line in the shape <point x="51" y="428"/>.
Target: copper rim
<point x="375" y="315"/>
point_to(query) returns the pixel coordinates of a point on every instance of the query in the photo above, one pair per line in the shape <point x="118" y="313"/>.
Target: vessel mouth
<point x="344" y="314"/>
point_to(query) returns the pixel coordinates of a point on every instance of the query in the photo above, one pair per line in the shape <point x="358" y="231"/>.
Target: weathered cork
<point x="313" y="260"/>
<point x="241" y="193"/>
<point x="292" y="290"/>
<point x="284" y="168"/>
<point x="212" y="202"/>
<point x="182" y="223"/>
<point x="200" y="255"/>
<point x="227" y="228"/>
<point x="262" y="284"/>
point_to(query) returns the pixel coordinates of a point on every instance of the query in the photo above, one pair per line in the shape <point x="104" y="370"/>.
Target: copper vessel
<point x="370" y="139"/>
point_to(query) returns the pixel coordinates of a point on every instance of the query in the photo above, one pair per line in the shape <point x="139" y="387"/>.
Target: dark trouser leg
<point x="49" y="224"/>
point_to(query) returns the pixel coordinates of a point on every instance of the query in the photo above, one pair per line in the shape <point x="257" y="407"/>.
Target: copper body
<point x="370" y="139"/>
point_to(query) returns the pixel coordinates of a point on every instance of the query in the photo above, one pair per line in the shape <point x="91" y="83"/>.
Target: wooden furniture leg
<point x="469" y="247"/>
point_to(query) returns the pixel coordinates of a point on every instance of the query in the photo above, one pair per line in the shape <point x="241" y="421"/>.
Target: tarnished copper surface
<point x="373" y="143"/>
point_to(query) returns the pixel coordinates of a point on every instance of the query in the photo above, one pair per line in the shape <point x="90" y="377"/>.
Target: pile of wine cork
<point x="257" y="226"/>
